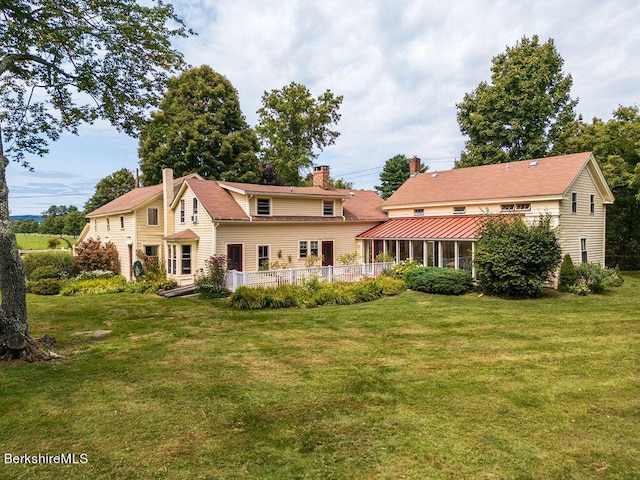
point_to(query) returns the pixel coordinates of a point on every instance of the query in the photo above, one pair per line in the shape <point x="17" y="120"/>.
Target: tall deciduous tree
<point x="292" y="125"/>
<point x="64" y="62"/>
<point x="616" y="145"/>
<point x="395" y="172"/>
<point x="526" y="111"/>
<point x="199" y="128"/>
<point x="109" y="188"/>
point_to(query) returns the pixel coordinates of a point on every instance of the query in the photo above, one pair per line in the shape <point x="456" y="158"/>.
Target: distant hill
<point x="37" y="218"/>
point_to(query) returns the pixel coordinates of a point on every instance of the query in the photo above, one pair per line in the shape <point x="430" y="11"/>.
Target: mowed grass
<point x="415" y="386"/>
<point x="41" y="242"/>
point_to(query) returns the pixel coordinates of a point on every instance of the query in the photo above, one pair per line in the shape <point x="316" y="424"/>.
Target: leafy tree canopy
<point x="616" y="145"/>
<point x="64" y="62"/>
<point x="395" y="172"/>
<point x="109" y="188"/>
<point x="292" y="125"/>
<point x="525" y="112"/>
<point x="199" y="128"/>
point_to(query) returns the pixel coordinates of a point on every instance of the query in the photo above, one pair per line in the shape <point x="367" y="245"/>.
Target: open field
<point x="33" y="241"/>
<point x="414" y="386"/>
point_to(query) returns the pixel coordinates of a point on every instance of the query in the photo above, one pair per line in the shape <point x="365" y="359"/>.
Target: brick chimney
<point x="321" y="176"/>
<point x="414" y="166"/>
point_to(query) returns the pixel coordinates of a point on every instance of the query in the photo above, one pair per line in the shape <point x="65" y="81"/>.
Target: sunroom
<point x="438" y="241"/>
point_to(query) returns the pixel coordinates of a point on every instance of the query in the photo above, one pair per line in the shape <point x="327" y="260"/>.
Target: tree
<point x="62" y="63"/>
<point x="526" y="112"/>
<point x="26" y="226"/>
<point x="616" y="146"/>
<point x="199" y="128"/>
<point x="394" y="173"/>
<point x="514" y="259"/>
<point x="292" y="124"/>
<point x="109" y="188"/>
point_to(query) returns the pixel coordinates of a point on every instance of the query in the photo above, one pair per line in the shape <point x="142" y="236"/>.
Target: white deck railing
<point x="298" y="276"/>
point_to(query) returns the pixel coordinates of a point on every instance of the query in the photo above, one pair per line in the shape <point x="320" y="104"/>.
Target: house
<point x="187" y="220"/>
<point x="434" y="216"/>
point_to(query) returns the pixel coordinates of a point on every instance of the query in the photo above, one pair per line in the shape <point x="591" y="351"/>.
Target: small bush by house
<point x="45" y="286"/>
<point x="444" y="281"/>
<point x="62" y="262"/>
<point x="568" y="275"/>
<point x="597" y="278"/>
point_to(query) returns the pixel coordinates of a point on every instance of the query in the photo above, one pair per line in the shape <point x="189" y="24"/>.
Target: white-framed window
<point x="263" y="257"/>
<point x="308" y="247"/>
<point x="172" y="259"/>
<point x="592" y="204"/>
<point x="185" y="263"/>
<point x="418" y="212"/>
<point x="182" y="210"/>
<point x="574" y="202"/>
<point x="195" y="207"/>
<point x="459" y="210"/>
<point x="152" y="251"/>
<point x="152" y="217"/>
<point x="108" y="226"/>
<point x="515" y="207"/>
<point x="263" y="206"/>
<point x="327" y="208"/>
<point x="584" y="254"/>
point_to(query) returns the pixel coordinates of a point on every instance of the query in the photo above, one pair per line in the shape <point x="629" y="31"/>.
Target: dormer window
<point x="459" y="210"/>
<point x="418" y="212"/>
<point x="327" y="208"/>
<point x="263" y="206"/>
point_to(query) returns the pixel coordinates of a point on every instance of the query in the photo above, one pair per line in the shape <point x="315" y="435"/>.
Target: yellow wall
<point x="296" y="206"/>
<point x="537" y="208"/>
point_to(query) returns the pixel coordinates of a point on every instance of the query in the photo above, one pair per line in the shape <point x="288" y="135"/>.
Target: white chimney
<point x="167" y="197"/>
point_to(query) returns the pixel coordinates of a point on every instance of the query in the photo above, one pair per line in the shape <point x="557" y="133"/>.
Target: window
<point x="121" y="223"/>
<point x="195" y="210"/>
<point x="308" y="247"/>
<point x="182" y="211"/>
<point x="186" y="259"/>
<point x="314" y="247"/>
<point x="263" y="206"/>
<point x="95" y="225"/>
<point x="510" y="207"/>
<point x="523" y="207"/>
<point x="152" y="251"/>
<point x="171" y="259"/>
<point x="263" y="257"/>
<point x="592" y="204"/>
<point x="302" y="252"/>
<point x="515" y="207"/>
<point x="583" y="250"/>
<point x="459" y="210"/>
<point x="152" y="217"/>
<point x="574" y="202"/>
<point x="108" y="226"/>
<point x="327" y="207"/>
<point x="418" y="212"/>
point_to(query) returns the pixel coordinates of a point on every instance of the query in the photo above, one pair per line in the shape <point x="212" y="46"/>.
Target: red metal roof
<point x="461" y="227"/>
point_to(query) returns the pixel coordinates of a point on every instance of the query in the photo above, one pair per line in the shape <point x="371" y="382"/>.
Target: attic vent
<point x="533" y="164"/>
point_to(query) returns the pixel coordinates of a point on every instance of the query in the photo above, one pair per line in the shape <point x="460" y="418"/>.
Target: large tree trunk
<point x="15" y="339"/>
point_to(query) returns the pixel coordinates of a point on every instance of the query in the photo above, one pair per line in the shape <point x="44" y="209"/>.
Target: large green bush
<point x="45" y="286"/>
<point x="315" y="293"/>
<point x="568" y="274"/>
<point x="514" y="258"/>
<point x="62" y="262"/>
<point x="445" y="281"/>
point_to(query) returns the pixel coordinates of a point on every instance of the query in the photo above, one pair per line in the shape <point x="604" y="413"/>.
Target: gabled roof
<point x="216" y="199"/>
<point x="547" y="177"/>
<point x="187" y="234"/>
<point x="135" y="198"/>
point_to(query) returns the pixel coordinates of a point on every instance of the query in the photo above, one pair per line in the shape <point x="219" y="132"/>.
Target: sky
<point x="401" y="66"/>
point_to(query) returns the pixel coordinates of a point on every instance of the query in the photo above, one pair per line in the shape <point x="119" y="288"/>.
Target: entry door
<point x="327" y="253"/>
<point x="234" y="255"/>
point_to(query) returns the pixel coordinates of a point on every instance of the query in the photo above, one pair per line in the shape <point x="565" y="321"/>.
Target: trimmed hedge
<point x="45" y="286"/>
<point x="315" y="293"/>
<point x="444" y="281"/>
<point x="117" y="284"/>
<point x="63" y="262"/>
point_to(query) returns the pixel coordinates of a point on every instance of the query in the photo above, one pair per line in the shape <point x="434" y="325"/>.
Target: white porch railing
<point x="297" y="276"/>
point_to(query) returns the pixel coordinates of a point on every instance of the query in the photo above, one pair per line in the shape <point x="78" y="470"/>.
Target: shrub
<point x="597" y="278"/>
<point x="45" y="286"/>
<point x="399" y="269"/>
<point x="94" y="255"/>
<point x="314" y="293"/>
<point x="94" y="274"/>
<point x="53" y="242"/>
<point x="444" y="281"/>
<point x="63" y="262"/>
<point x="45" y="271"/>
<point x="211" y="282"/>
<point x="578" y="289"/>
<point x="515" y="259"/>
<point x="384" y="258"/>
<point x="150" y="286"/>
<point x="568" y="274"/>
<point x="349" y="258"/>
<point x="152" y="269"/>
<point x="94" y="286"/>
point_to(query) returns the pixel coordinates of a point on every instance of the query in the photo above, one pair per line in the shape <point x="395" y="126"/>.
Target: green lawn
<point x="40" y="242"/>
<point x="414" y="386"/>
